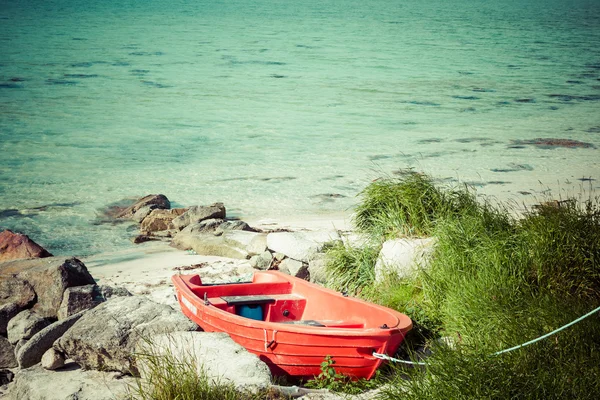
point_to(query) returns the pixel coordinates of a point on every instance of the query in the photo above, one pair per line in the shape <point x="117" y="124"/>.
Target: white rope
<point x="396" y="360"/>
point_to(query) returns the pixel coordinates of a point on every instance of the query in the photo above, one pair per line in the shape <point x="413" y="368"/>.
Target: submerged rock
<point x="159" y="201"/>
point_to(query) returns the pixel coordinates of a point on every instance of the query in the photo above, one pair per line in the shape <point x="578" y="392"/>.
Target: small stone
<point x="53" y="359"/>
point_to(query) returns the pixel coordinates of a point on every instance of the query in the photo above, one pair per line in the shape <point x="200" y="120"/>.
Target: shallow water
<point x="282" y="109"/>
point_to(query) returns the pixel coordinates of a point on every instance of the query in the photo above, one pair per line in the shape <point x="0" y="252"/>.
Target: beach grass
<point x="495" y="281"/>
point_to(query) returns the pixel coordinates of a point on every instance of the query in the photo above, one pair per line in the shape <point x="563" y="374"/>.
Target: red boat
<point x="292" y="325"/>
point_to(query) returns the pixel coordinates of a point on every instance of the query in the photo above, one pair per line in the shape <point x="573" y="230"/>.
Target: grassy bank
<point x="495" y="281"/>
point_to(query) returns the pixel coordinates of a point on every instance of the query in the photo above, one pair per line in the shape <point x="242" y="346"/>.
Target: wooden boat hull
<point x="349" y="330"/>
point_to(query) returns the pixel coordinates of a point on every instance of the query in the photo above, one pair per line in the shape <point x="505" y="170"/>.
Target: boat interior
<point x="273" y="299"/>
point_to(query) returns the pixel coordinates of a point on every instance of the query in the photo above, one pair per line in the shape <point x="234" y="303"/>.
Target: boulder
<point x="233" y="226"/>
<point x="316" y="269"/>
<point x="262" y="261"/>
<point x="7" y="354"/>
<point x="31" y="352"/>
<point x="294" y="268"/>
<point x="15" y="246"/>
<point x="79" y="298"/>
<point x="24" y="325"/>
<point x="257" y="245"/>
<point x="143" y="213"/>
<point x="105" y="337"/>
<point x="301" y="246"/>
<point x="16" y="295"/>
<point x="160" y="201"/>
<point x="207" y="244"/>
<point x="403" y="257"/>
<point x="199" y="213"/>
<point x="49" y="277"/>
<point x="208" y="225"/>
<point x="240" y="239"/>
<point x="6" y="376"/>
<point x="69" y="383"/>
<point x="216" y="354"/>
<point x="53" y="359"/>
<point x="108" y="292"/>
<point x="160" y="220"/>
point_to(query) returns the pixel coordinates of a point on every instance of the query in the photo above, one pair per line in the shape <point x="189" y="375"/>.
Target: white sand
<point x="147" y="268"/>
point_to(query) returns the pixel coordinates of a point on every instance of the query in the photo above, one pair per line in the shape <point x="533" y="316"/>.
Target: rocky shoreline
<point x="64" y="332"/>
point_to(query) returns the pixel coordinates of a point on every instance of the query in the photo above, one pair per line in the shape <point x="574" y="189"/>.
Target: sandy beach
<point x="146" y="269"/>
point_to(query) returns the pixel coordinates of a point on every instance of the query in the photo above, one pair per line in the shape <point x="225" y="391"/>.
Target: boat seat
<point x="232" y="300"/>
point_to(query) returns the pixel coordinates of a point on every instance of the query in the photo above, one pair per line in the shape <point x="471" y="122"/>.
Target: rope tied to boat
<point x="270" y="344"/>
<point x="396" y="360"/>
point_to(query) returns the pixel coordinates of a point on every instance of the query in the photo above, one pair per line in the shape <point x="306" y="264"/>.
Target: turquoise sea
<point x="285" y="109"/>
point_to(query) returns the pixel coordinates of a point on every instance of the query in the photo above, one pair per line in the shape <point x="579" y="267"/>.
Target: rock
<point x="294" y="268"/>
<point x="232" y="226"/>
<point x="6" y="376"/>
<point x="20" y="344"/>
<point x="24" y="325"/>
<point x="278" y="256"/>
<point x="316" y="269"/>
<point x="208" y="225"/>
<point x="301" y="246"/>
<point x="49" y="277"/>
<point x="16" y="295"/>
<point x="240" y="239"/>
<point x="108" y="292"/>
<point x="160" y="201"/>
<point x="143" y="212"/>
<point x="403" y="257"/>
<point x="7" y="354"/>
<point x="15" y="246"/>
<point x="53" y="359"/>
<point x="79" y="298"/>
<point x="105" y="337"/>
<point x="262" y="261"/>
<point x="208" y="245"/>
<point x="31" y="352"/>
<point x="143" y="238"/>
<point x="160" y="220"/>
<point x="257" y="245"/>
<point x="69" y="383"/>
<point x="214" y="353"/>
<point x="199" y="213"/>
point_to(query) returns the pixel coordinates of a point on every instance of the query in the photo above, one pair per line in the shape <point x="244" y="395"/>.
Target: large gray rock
<point x="69" y="383"/>
<point x="257" y="245"/>
<point x="16" y="295"/>
<point x="79" y="298"/>
<point x="105" y="337"/>
<point x="49" y="277"/>
<point x="199" y="213"/>
<point x="262" y="261"/>
<point x="207" y="225"/>
<point x="158" y="201"/>
<point x="239" y="238"/>
<point x="403" y="257"/>
<point x="31" y="352"/>
<point x="317" y="269"/>
<point x="143" y="213"/>
<point x="301" y="246"/>
<point x="233" y="226"/>
<point x="215" y="353"/>
<point x="7" y="354"/>
<point x="294" y="268"/>
<point x="14" y="246"/>
<point x="207" y="244"/>
<point x="24" y="325"/>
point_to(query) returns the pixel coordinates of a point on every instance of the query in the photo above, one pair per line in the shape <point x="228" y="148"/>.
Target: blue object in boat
<point x="252" y="311"/>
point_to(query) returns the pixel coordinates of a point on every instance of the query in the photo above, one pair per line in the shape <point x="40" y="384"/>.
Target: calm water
<point x="281" y="108"/>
